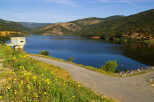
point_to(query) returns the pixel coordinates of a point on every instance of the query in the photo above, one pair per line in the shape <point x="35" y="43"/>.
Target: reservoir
<point x="92" y="52"/>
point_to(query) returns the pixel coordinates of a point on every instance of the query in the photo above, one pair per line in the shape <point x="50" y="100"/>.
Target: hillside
<point x="68" y="28"/>
<point x="12" y="26"/>
<point x="33" y="25"/>
<point x="139" y="25"/>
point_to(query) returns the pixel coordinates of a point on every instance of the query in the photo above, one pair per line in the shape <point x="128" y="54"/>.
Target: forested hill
<point x="12" y="26"/>
<point x="139" y="25"/>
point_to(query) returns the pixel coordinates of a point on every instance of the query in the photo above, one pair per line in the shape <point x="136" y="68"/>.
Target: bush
<point x="4" y="39"/>
<point x="110" y="66"/>
<point x="44" y="53"/>
<point x="70" y="59"/>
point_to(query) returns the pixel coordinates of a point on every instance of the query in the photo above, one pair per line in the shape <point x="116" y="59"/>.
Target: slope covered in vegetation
<point x="12" y="26"/>
<point x="33" y="81"/>
<point x="139" y="25"/>
<point x="69" y="28"/>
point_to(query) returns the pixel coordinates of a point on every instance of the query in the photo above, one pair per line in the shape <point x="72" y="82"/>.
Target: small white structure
<point x="17" y="42"/>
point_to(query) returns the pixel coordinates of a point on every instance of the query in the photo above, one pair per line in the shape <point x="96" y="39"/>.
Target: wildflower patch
<point x="35" y="81"/>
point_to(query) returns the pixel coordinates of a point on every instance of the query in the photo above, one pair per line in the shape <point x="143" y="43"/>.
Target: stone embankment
<point x="151" y="80"/>
<point x="138" y="71"/>
<point x="134" y="72"/>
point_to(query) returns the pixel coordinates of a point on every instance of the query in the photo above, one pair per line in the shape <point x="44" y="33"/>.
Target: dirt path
<point x="129" y="89"/>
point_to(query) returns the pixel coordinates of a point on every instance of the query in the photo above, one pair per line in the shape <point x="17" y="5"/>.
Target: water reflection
<point x="141" y="52"/>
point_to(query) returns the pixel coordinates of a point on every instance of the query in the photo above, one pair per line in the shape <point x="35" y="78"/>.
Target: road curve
<point x="128" y="89"/>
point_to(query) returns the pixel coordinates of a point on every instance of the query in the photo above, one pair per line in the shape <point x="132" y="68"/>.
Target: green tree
<point x="44" y="53"/>
<point x="4" y="39"/>
<point x="70" y="59"/>
<point x="110" y="66"/>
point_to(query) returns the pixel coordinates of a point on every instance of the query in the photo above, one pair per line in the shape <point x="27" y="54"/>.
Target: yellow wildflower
<point x="47" y="81"/>
<point x="14" y="58"/>
<point x="0" y="97"/>
<point x="21" y="67"/>
<point x="15" y="92"/>
<point x="21" y="83"/>
<point x="34" y="77"/>
<point x="79" y="85"/>
<point x="26" y="74"/>
<point x="28" y="87"/>
<point x="36" y="95"/>
<point x="45" y="93"/>
<point x="25" y="56"/>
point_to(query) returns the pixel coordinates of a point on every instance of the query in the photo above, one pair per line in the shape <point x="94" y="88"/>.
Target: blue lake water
<point x="91" y="52"/>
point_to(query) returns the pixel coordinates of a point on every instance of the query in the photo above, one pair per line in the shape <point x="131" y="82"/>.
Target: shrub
<point x="44" y="53"/>
<point x="110" y="66"/>
<point x="4" y="39"/>
<point x="70" y="59"/>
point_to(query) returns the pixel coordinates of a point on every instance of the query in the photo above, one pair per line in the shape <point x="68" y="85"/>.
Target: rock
<point x="131" y="72"/>
<point x="150" y="80"/>
<point x="138" y="70"/>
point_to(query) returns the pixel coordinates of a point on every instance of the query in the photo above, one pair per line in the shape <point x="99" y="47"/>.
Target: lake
<point x="92" y="52"/>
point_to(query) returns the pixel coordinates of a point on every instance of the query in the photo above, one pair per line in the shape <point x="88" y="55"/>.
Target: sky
<point x="52" y="11"/>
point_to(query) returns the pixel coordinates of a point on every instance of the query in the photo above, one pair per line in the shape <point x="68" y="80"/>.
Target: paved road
<point x="129" y="89"/>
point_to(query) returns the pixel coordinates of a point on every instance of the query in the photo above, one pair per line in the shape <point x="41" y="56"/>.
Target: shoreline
<point x="129" y="73"/>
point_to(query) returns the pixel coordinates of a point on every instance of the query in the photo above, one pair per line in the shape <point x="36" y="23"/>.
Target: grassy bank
<point x="149" y="41"/>
<point x="33" y="81"/>
<point x="99" y="70"/>
<point x="81" y="65"/>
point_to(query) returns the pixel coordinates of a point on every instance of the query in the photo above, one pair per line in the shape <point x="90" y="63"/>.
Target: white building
<point x="17" y="42"/>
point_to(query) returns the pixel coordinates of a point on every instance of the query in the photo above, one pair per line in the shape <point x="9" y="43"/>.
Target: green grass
<point x="34" y="81"/>
<point x="4" y="74"/>
<point x="149" y="41"/>
<point x="83" y="66"/>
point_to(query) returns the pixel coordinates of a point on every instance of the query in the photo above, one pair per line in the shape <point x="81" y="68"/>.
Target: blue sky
<point x="67" y="10"/>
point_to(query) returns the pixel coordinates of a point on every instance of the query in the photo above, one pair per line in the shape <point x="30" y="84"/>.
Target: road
<point x="123" y="89"/>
